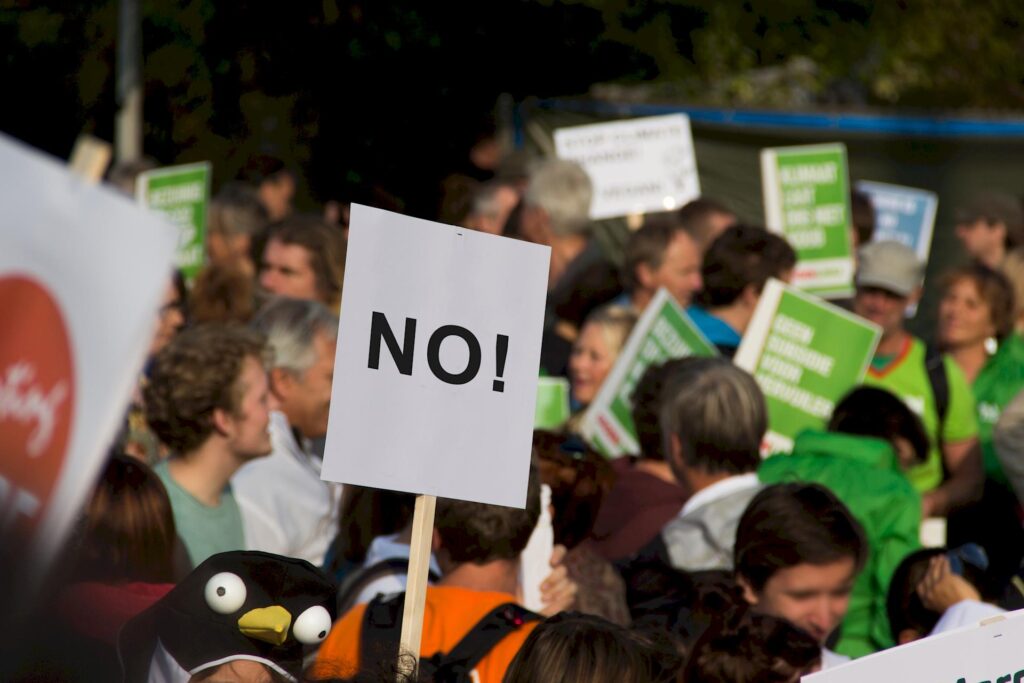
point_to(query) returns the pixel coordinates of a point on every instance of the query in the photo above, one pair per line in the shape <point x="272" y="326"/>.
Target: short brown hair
<point x="995" y="290"/>
<point x="478" y="533"/>
<point x="326" y="247"/>
<point x="222" y="294"/>
<point x="647" y="247"/>
<point x="196" y="373"/>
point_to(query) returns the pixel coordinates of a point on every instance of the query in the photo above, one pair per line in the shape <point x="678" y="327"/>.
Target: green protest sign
<point x="807" y="199"/>
<point x="552" y="403"/>
<point x="664" y="332"/>
<point x="182" y="195"/>
<point x="806" y="355"/>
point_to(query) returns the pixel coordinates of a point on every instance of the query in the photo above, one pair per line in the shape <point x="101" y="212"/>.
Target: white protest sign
<point x="637" y="166"/>
<point x="82" y="273"/>
<point x="989" y="652"/>
<point x="437" y="362"/>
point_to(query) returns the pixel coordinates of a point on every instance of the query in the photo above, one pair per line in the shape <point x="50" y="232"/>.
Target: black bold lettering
<point x="434" y="354"/>
<point x="380" y="329"/>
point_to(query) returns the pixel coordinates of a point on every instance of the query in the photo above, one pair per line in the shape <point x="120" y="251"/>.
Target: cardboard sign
<point x="552" y="403"/>
<point x="664" y="332"/>
<point x="903" y="214"/>
<point x="807" y="200"/>
<point x="806" y="355"/>
<point x="439" y="347"/>
<point x="988" y="652"/>
<point x="637" y="166"/>
<point x="182" y="195"/>
<point x="81" y="280"/>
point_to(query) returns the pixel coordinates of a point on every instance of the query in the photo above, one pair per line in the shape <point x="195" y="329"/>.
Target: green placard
<point x="664" y="332"/>
<point x="807" y="199"/>
<point x="806" y="354"/>
<point x="552" y="403"/>
<point x="182" y="194"/>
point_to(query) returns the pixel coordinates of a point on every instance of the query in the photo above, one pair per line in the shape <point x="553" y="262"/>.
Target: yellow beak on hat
<point x="269" y="624"/>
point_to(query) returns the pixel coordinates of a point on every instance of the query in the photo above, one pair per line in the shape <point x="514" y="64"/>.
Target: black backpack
<point x="380" y="633"/>
<point x="939" y="382"/>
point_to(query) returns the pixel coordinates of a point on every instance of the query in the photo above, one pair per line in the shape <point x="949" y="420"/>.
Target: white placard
<point x="990" y="652"/>
<point x="637" y="166"/>
<point x="421" y="400"/>
<point x="82" y="274"/>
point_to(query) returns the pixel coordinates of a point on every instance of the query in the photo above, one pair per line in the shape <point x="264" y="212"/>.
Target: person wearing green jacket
<point x="871" y="438"/>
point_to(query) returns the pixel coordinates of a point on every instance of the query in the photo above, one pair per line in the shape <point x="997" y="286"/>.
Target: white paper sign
<point x="987" y="653"/>
<point x="437" y="363"/>
<point x="82" y="273"/>
<point x="637" y="166"/>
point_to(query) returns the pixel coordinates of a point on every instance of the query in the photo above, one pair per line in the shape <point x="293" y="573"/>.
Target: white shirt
<point x="719" y="489"/>
<point x="286" y="508"/>
<point x="965" y="613"/>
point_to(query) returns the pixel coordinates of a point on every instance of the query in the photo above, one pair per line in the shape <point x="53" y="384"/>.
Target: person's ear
<point x="748" y="592"/>
<point x="644" y="276"/>
<point x="223" y="422"/>
<point x="282" y="383"/>
<point x="750" y="296"/>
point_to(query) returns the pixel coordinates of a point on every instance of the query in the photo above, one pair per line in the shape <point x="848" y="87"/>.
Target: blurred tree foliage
<point x="370" y="99"/>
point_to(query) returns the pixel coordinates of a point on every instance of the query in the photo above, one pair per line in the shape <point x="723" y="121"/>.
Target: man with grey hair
<point x="286" y="508"/>
<point x="556" y="213"/>
<point x="492" y="203"/>
<point x="713" y="418"/>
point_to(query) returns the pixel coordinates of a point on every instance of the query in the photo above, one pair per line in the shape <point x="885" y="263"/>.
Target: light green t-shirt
<point x="907" y="377"/>
<point x="203" y="529"/>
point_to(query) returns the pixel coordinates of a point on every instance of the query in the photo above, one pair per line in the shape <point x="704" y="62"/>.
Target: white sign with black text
<point x="438" y="356"/>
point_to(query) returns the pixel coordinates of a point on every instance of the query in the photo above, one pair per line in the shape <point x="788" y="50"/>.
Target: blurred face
<point x="287" y="271"/>
<point x="979" y="238"/>
<point x="964" y="317"/>
<point x="276" y="195"/>
<point x="171" y="318"/>
<point x="247" y="428"/>
<point x="589" y="364"/>
<point x="306" y="398"/>
<point x="679" y="271"/>
<point x="882" y="307"/>
<point x="812" y="597"/>
<point x="505" y="199"/>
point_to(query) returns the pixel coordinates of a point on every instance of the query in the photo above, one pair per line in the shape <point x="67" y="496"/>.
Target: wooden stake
<point x="90" y="158"/>
<point x="416" y="584"/>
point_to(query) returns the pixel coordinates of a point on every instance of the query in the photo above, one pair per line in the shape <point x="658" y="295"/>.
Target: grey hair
<point x="563" y="189"/>
<point x="485" y="200"/>
<point x="717" y="412"/>
<point x="290" y="325"/>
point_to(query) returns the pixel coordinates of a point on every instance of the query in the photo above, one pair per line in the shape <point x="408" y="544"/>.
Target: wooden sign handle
<point x="416" y="584"/>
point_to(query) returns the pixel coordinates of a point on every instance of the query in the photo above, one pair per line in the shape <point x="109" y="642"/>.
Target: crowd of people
<point x="211" y="550"/>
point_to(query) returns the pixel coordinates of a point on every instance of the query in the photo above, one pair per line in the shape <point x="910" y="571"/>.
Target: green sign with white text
<point x="806" y="354"/>
<point x="807" y="199"/>
<point x="664" y="332"/>
<point x="182" y="195"/>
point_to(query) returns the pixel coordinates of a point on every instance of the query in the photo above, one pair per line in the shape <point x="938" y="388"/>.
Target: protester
<point x="798" y="552"/>
<point x="871" y="436"/>
<point x="579" y="479"/>
<point x="705" y="219"/>
<point x="990" y="226"/>
<point x="753" y="648"/>
<point x="888" y="281"/>
<point x="477" y="548"/>
<point x="645" y="495"/>
<point x="581" y="648"/>
<point x="236" y="217"/>
<point x="492" y="203"/>
<point x="556" y="213"/>
<point x="975" y="328"/>
<point x="736" y="267"/>
<point x="862" y="214"/>
<point x="275" y="184"/>
<point x="713" y="418"/>
<point x="222" y="294"/>
<point x="304" y="259"/>
<point x="661" y="255"/>
<point x="286" y="508"/>
<point x="596" y="350"/>
<point x="207" y="401"/>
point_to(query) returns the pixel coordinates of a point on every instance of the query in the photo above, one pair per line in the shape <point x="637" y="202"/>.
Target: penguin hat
<point x="236" y="605"/>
